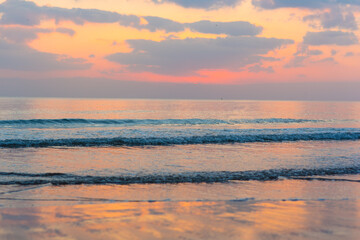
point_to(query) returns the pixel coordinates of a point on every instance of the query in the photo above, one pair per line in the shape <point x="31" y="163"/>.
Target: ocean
<point x="205" y="153"/>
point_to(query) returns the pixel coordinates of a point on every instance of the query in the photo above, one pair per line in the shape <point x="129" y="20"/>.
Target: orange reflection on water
<point x="78" y="108"/>
<point x="153" y="109"/>
<point x="193" y="220"/>
<point x="290" y="216"/>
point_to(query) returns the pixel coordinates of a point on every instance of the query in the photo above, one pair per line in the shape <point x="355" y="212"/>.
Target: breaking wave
<point x="18" y="178"/>
<point x="220" y="137"/>
<point x="134" y="122"/>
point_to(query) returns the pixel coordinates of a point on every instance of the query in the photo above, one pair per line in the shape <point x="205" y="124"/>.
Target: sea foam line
<point x="133" y="122"/>
<point x="16" y="178"/>
<point x="240" y="137"/>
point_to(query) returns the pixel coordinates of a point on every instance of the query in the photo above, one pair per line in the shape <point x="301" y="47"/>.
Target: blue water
<point x="120" y="142"/>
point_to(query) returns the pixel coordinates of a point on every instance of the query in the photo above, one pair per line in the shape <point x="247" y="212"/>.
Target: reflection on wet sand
<point x="186" y="220"/>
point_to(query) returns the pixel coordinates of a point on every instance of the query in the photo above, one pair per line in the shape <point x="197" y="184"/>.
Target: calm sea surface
<point x="157" y="150"/>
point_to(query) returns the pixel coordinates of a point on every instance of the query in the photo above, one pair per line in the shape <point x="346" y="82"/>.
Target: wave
<point x="133" y="122"/>
<point x="221" y="137"/>
<point x="17" y="178"/>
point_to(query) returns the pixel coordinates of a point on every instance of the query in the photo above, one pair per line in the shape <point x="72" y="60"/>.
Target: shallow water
<point x="186" y="220"/>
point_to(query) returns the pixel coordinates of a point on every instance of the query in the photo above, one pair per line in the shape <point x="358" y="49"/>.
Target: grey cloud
<point x="303" y="50"/>
<point x="258" y="68"/>
<point x="184" y="57"/>
<point x="349" y="54"/>
<point x="297" y="61"/>
<point x="67" y="31"/>
<point x="129" y="20"/>
<point x="328" y="59"/>
<point x="335" y="18"/>
<point x="238" y="28"/>
<point x="71" y="60"/>
<point x="29" y="14"/>
<point x="272" y="4"/>
<point x="330" y="38"/>
<point x="315" y="52"/>
<point x="157" y="23"/>
<point x="22" y="58"/>
<point x="24" y="34"/>
<point x="79" y="15"/>
<point x="20" y="12"/>
<point x="304" y="55"/>
<point x="20" y="34"/>
<point x="205" y="4"/>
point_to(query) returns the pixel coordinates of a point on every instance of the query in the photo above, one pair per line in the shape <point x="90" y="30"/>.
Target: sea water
<point x="177" y="150"/>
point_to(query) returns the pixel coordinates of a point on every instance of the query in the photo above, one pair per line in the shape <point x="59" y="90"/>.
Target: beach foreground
<point x="329" y="219"/>
<point x="327" y="209"/>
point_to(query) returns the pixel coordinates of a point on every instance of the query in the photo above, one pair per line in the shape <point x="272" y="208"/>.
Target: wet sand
<point x="328" y="219"/>
<point x="236" y="210"/>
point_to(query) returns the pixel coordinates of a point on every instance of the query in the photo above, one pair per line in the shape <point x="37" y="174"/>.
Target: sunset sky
<point x="90" y="48"/>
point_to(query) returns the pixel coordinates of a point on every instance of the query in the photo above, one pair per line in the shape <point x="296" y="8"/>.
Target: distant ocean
<point x="87" y="142"/>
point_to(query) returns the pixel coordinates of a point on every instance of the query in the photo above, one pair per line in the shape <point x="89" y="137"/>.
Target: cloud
<point x="18" y="12"/>
<point x="238" y="28"/>
<point x="22" y="58"/>
<point x="272" y="4"/>
<point x="301" y="55"/>
<point x="324" y="60"/>
<point x="303" y="50"/>
<point x="67" y="31"/>
<point x="335" y="18"/>
<point x="315" y="52"/>
<point x="187" y="56"/>
<point x="26" y="34"/>
<point x="258" y="68"/>
<point x="21" y="34"/>
<point x="349" y="54"/>
<point x="158" y="23"/>
<point x="206" y="4"/>
<point x="330" y="38"/>
<point x="297" y="61"/>
<point x="29" y="14"/>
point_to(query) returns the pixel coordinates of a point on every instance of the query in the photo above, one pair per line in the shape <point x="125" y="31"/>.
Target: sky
<point x="241" y="49"/>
